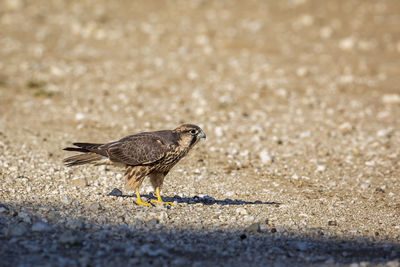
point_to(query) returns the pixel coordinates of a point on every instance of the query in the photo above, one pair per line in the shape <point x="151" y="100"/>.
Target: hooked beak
<point x="202" y="135"/>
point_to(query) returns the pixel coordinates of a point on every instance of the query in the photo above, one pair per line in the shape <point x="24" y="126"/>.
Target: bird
<point x="146" y="154"/>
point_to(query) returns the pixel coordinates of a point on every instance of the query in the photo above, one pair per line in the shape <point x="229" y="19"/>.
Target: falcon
<point x="151" y="154"/>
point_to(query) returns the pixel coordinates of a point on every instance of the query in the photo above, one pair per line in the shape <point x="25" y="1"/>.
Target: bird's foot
<point x="160" y="201"/>
<point x="139" y="202"/>
<point x="154" y="201"/>
<point x="169" y="203"/>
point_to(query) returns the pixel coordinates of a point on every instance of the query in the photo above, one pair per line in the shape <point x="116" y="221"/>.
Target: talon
<point x="139" y="200"/>
<point x="159" y="199"/>
<point x="141" y="203"/>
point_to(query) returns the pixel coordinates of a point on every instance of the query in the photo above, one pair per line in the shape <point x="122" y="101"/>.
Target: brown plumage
<point x="150" y="154"/>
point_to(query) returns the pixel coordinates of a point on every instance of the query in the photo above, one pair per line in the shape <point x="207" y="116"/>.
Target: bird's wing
<point x="137" y="149"/>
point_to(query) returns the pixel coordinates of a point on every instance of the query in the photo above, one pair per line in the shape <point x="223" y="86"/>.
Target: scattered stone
<point x="152" y="222"/>
<point x="332" y="223"/>
<point x="66" y="200"/>
<point x="41" y="226"/>
<point x="326" y="32"/>
<point x="162" y="216"/>
<point x="301" y="246"/>
<point x="241" y="211"/>
<point x="266" y="158"/>
<point x="103" y="219"/>
<point x="347" y="43"/>
<point x="151" y="251"/>
<point x="70" y="238"/>
<point x="95" y="206"/>
<point x="384" y="133"/>
<point x="229" y="193"/>
<point x="80" y="182"/>
<point x="321" y="168"/>
<point x="179" y="262"/>
<point x="130" y="250"/>
<point x="379" y="190"/>
<point x="115" y="193"/>
<point x="33" y="247"/>
<point x="315" y="232"/>
<point x="393" y="263"/>
<point x="54" y="216"/>
<point x="84" y="258"/>
<point x="80" y="116"/>
<point x="25" y="217"/>
<point x="345" y="127"/>
<point x="14" y="4"/>
<point x="370" y="163"/>
<point x="391" y="99"/>
<point x="19" y="229"/>
<point x="247" y="218"/>
<point x="3" y="208"/>
<point x="301" y="72"/>
<point x="218" y="131"/>
<point x="365" y="186"/>
<point x="74" y="224"/>
<point x="253" y="228"/>
<point x="304" y="134"/>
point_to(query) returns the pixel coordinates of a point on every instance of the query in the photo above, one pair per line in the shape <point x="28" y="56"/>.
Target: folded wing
<point x="136" y="150"/>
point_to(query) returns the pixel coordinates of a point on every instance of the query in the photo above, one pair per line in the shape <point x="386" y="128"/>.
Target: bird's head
<point x="189" y="135"/>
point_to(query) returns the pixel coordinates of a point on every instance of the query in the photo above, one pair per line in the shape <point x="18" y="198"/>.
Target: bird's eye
<point x="193" y="132"/>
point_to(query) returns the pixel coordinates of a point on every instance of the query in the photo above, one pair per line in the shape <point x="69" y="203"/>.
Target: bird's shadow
<point x="205" y="200"/>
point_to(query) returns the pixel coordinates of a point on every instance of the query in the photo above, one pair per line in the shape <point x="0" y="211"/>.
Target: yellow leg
<point x="159" y="199"/>
<point x="139" y="200"/>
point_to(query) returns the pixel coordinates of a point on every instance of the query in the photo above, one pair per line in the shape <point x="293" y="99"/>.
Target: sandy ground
<point x="300" y="100"/>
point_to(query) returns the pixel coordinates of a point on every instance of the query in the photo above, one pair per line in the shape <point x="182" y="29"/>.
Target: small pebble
<point x="253" y="228"/>
<point x="103" y="219"/>
<point x="229" y="193"/>
<point x="321" y="168"/>
<point x="19" y="229"/>
<point x="365" y="186"/>
<point x="152" y="222"/>
<point x="370" y="163"/>
<point x="266" y="158"/>
<point x="95" y="206"/>
<point x="3" y="208"/>
<point x="66" y="200"/>
<point x="301" y="246"/>
<point x="74" y="224"/>
<point x="332" y="223"/>
<point x="25" y="217"/>
<point x="70" y="238"/>
<point x="241" y="211"/>
<point x="345" y="127"/>
<point x="41" y="226"/>
<point x="80" y="182"/>
<point x="391" y="99"/>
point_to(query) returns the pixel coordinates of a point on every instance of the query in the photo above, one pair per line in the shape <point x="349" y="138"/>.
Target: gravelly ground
<point x="300" y="100"/>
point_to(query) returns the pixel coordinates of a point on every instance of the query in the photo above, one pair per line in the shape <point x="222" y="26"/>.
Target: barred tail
<point x="91" y="154"/>
<point x="83" y="159"/>
<point x="84" y="147"/>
